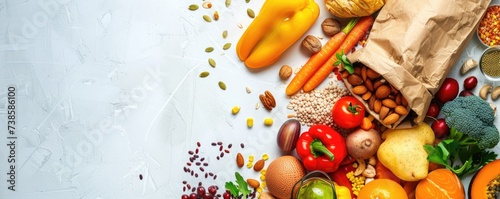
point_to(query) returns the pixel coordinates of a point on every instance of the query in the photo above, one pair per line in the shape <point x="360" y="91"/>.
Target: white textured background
<point x="109" y="90"/>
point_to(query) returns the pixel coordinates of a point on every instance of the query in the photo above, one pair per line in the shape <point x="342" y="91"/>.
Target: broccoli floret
<point x="473" y="117"/>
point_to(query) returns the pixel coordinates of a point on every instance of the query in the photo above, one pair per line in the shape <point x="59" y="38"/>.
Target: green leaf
<point x="435" y="155"/>
<point x="232" y="189"/>
<point x="242" y="185"/>
<point x="342" y="59"/>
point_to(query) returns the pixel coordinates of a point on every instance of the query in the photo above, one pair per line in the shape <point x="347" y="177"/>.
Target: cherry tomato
<point x="433" y="110"/>
<point x="465" y="93"/>
<point x="470" y="83"/>
<point x="348" y="112"/>
<point x="448" y="90"/>
<point x="440" y="128"/>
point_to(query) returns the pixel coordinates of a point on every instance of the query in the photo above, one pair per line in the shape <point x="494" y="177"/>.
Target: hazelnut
<point x="285" y="72"/>
<point x="330" y="26"/>
<point x="311" y="44"/>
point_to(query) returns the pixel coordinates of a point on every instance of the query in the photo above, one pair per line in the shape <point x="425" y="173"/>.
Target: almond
<point x="354" y="80"/>
<point x="359" y="90"/>
<point x="259" y="165"/>
<point x="384" y="111"/>
<point x="357" y="71"/>
<point x="394" y="90"/>
<point x="382" y="92"/>
<point x="345" y="74"/>
<point x="398" y="99"/>
<point x="371" y="102"/>
<point x="377" y="106"/>
<point x="401" y="110"/>
<point x="253" y="183"/>
<point x="389" y="103"/>
<point x="367" y="96"/>
<point x="372" y="74"/>
<point x="369" y="85"/>
<point x="378" y="83"/>
<point x="403" y="101"/>
<point x="391" y="119"/>
<point x="363" y="73"/>
<point x="240" y="161"/>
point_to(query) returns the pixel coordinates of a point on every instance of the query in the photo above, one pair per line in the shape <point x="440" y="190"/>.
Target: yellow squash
<point x="279" y="24"/>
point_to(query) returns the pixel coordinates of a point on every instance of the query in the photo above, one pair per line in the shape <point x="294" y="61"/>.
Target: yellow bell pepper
<point x="342" y="192"/>
<point x="279" y="24"/>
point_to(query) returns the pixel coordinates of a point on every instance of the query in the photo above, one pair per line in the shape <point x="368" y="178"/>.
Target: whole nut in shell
<point x="311" y="44"/>
<point x="331" y="26"/>
<point x="285" y="72"/>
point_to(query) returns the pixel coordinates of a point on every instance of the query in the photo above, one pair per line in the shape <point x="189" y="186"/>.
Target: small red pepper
<point x="340" y="177"/>
<point x="321" y="148"/>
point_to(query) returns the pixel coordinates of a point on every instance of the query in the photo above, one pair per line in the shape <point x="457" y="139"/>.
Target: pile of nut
<point x="381" y="97"/>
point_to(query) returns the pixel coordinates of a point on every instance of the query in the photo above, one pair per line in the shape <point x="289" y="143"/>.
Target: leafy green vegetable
<point x="342" y="59"/>
<point x="240" y="188"/>
<point x="459" y="148"/>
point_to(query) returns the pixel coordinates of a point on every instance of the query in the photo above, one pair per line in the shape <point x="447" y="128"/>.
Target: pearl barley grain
<point x="315" y="107"/>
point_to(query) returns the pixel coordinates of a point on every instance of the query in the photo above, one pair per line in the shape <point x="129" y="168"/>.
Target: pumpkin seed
<point x="248" y="1"/>
<point x="228" y="2"/>
<point x="222" y="85"/>
<point x="250" y="13"/>
<point x="209" y="49"/>
<point x="226" y="46"/>
<point x="193" y="7"/>
<point x="216" y="15"/>
<point x="211" y="62"/>
<point x="204" y="74"/>
<point x="207" y="18"/>
<point x="224" y="34"/>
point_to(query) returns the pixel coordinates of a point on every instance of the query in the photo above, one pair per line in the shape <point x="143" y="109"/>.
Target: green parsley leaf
<point x="240" y="188"/>
<point x="342" y="59"/>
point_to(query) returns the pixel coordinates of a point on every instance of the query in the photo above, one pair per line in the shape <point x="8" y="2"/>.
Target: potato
<point x="402" y="151"/>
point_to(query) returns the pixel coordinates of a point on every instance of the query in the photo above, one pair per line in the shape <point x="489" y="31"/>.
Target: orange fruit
<point x="382" y="189"/>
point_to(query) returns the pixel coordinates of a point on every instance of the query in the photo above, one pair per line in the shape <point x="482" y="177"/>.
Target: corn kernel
<point x="251" y="158"/>
<point x="263" y="171"/>
<point x="235" y="110"/>
<point x="262" y="177"/>
<point x="263" y="184"/>
<point x="265" y="156"/>
<point x="249" y="122"/>
<point x="268" y="121"/>
<point x="250" y="165"/>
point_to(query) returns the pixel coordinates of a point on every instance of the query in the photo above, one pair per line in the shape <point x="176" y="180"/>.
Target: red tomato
<point x="440" y="128"/>
<point x="448" y="90"/>
<point x="433" y="110"/>
<point x="348" y="112"/>
<point x="470" y="83"/>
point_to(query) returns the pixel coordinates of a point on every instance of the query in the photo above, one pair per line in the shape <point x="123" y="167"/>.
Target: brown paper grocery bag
<point x="414" y="44"/>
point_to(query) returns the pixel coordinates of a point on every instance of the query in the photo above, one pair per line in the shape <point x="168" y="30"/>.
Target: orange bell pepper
<point x="279" y="24"/>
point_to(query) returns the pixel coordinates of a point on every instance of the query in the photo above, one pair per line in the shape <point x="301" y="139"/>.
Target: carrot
<point x="366" y="124"/>
<point x="316" y="60"/>
<point x="350" y="41"/>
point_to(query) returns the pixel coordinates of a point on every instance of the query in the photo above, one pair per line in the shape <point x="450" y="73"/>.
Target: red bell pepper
<point x="321" y="148"/>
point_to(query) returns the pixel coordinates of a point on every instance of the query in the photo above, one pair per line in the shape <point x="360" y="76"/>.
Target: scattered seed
<point x="224" y="34"/>
<point x="213" y="143"/>
<point x="219" y="143"/>
<point x="216" y="15"/>
<point x="198" y="144"/>
<point x="251" y="13"/>
<point x="257" y="105"/>
<point x="230" y="145"/>
<point x="193" y="7"/>
<point x="222" y="85"/>
<point x="204" y="74"/>
<point x="248" y="1"/>
<point x="226" y="46"/>
<point x="207" y="18"/>
<point x="207" y="4"/>
<point x="209" y="49"/>
<point x="248" y="89"/>
<point x="211" y="62"/>
<point x="240" y="25"/>
<point x="140" y="176"/>
<point x="228" y="3"/>
<point x="242" y="145"/>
